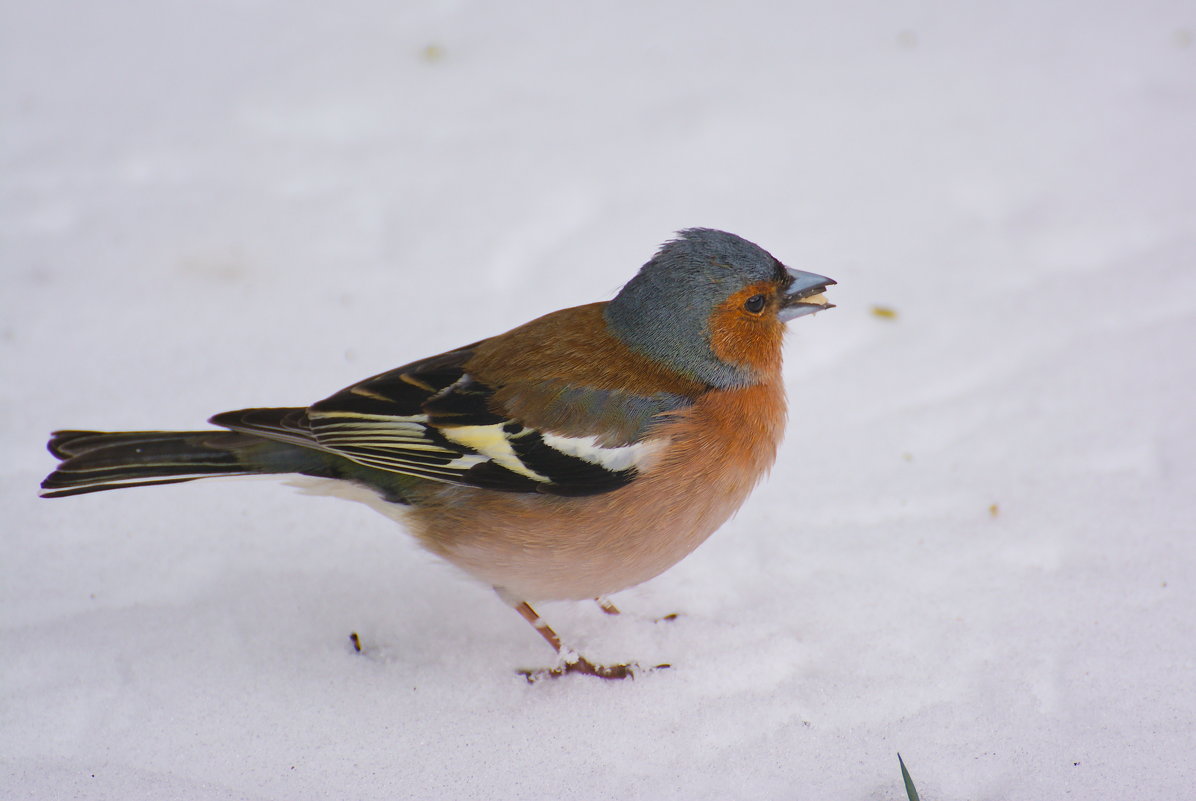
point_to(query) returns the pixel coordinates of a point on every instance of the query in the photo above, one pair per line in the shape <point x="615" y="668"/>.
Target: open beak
<point x="804" y="296"/>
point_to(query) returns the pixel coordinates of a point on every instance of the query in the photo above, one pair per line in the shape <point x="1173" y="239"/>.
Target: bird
<point x="574" y="456"/>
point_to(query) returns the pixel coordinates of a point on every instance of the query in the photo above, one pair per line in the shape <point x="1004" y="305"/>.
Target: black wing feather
<point x="432" y="420"/>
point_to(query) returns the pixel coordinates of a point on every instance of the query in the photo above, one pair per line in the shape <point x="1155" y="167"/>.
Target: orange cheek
<point x="740" y="337"/>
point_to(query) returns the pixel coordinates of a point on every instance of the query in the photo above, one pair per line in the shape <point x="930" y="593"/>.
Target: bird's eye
<point x="755" y="304"/>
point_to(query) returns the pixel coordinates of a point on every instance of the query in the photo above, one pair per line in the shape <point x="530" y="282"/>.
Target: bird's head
<point x="712" y="306"/>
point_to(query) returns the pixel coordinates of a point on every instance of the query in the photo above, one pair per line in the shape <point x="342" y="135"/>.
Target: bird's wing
<point x="433" y="420"/>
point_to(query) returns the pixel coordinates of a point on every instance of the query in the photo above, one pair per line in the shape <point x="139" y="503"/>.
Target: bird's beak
<point x="804" y="296"/>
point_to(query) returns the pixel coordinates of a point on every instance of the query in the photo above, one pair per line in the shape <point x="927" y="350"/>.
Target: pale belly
<point x="537" y="547"/>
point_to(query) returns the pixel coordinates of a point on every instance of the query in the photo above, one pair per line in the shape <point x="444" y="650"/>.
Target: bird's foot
<point x="575" y="663"/>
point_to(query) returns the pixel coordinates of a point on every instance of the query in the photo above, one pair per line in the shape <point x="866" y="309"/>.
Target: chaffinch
<point x="569" y="458"/>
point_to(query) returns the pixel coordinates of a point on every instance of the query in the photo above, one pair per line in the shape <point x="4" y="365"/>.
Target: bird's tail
<point x="95" y="460"/>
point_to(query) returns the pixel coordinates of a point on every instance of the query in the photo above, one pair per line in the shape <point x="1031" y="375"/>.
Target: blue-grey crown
<point x="664" y="311"/>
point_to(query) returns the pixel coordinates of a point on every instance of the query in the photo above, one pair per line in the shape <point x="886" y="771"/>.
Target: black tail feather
<point x="96" y="460"/>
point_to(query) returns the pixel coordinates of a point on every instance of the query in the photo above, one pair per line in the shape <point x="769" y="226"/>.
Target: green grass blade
<point x="910" y="790"/>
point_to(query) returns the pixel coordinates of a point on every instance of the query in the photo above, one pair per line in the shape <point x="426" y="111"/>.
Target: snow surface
<point x="976" y="548"/>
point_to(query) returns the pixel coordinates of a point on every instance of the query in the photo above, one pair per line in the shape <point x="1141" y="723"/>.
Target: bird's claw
<point x="587" y="668"/>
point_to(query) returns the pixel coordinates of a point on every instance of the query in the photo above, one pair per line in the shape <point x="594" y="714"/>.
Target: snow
<point x="976" y="547"/>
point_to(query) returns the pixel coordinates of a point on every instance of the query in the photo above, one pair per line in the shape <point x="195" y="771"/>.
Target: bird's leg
<point x="542" y="628"/>
<point x="606" y="606"/>
<point x="571" y="661"/>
